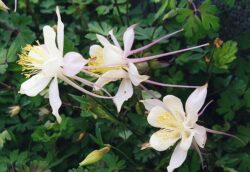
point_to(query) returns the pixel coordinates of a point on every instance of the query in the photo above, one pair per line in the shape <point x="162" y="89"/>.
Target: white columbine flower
<point x="176" y="125"/>
<point x="114" y="55"/>
<point x="45" y="63"/>
<point x="112" y="62"/>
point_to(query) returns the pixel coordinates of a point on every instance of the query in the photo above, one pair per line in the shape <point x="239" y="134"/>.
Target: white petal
<point x="194" y="103"/>
<point x="94" y="50"/>
<point x="134" y="75"/>
<point x="60" y="31"/>
<point x="52" y="66"/>
<point x="163" y="139"/>
<point x="113" y="55"/>
<point x="73" y="63"/>
<point x="102" y="40"/>
<point x="174" y="104"/>
<point x="110" y="76"/>
<point x="34" y="85"/>
<point x="50" y="41"/>
<point x="114" y="39"/>
<point x="54" y="99"/>
<point x="151" y="103"/>
<point x="40" y="53"/>
<point x="161" y="118"/>
<point x="186" y="139"/>
<point x="200" y="135"/>
<point x="124" y="92"/>
<point x="178" y="157"/>
<point x="128" y="39"/>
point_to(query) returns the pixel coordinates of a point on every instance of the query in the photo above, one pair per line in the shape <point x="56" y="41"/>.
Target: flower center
<point x="171" y="123"/>
<point x="97" y="59"/>
<point x="35" y="59"/>
<point x="32" y="59"/>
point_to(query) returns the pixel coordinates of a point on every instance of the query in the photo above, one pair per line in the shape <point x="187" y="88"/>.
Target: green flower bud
<point x="95" y="156"/>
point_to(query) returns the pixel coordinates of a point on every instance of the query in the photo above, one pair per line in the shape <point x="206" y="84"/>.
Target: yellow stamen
<point x="168" y="120"/>
<point x="97" y="60"/>
<point x="31" y="65"/>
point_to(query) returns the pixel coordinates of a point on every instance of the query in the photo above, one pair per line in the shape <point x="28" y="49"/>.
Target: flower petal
<point x="110" y="76"/>
<point x="178" y="157"/>
<point x="113" y="55"/>
<point x="194" y="103"/>
<point x="104" y="41"/>
<point x="174" y="104"/>
<point x="60" y="31"/>
<point x="39" y="53"/>
<point x="34" y="85"/>
<point x="73" y="63"/>
<point x="114" y="39"/>
<point x="200" y="135"/>
<point x="49" y="41"/>
<point x="161" y="118"/>
<point x="124" y="92"/>
<point x="128" y="39"/>
<point x="186" y="139"/>
<point x="54" y="99"/>
<point x="134" y="75"/>
<point x="151" y="103"/>
<point x="163" y="139"/>
<point x="94" y="50"/>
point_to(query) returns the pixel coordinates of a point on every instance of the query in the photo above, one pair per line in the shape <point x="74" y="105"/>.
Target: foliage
<point x="33" y="141"/>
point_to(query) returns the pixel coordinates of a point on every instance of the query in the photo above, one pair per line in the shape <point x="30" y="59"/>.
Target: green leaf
<point x="4" y="136"/>
<point x="208" y="18"/>
<point x="225" y="55"/>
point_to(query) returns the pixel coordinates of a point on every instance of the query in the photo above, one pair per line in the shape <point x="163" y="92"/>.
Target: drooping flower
<point x="176" y="125"/>
<point x="112" y="62"/>
<point x="44" y="64"/>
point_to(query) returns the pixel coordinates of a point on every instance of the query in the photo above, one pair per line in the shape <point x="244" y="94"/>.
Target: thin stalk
<point x="137" y="60"/>
<point x="15" y="6"/>
<point x="67" y="80"/>
<point x="205" y="107"/>
<point x="154" y="42"/>
<point x="169" y="85"/>
<point x="226" y="134"/>
<point x="144" y="88"/>
<point x="199" y="153"/>
<point x="91" y="84"/>
<point x="143" y="59"/>
<point x="122" y="153"/>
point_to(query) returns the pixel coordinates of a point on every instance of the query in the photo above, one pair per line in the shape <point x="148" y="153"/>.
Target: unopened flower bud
<point x="3" y="7"/>
<point x="14" y="110"/>
<point x="95" y="156"/>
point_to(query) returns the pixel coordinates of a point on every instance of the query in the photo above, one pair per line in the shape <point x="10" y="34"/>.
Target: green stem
<point x="119" y="12"/>
<point x="122" y="153"/>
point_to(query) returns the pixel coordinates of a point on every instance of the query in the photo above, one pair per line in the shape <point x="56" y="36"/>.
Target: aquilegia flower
<point x="44" y="64"/>
<point x="176" y="125"/>
<point x="112" y="62"/>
